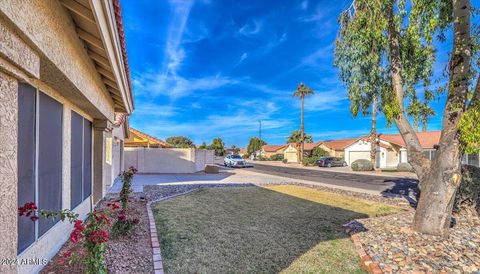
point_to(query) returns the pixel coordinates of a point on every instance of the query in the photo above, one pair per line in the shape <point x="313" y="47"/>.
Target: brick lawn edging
<point x="157" y="255"/>
<point x="366" y="261"/>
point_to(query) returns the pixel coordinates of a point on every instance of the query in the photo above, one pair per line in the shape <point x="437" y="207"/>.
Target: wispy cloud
<point x="326" y="100"/>
<point x="251" y="27"/>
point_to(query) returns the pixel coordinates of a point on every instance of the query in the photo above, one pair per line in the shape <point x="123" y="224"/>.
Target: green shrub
<point x="467" y="199"/>
<point x="262" y="158"/>
<point x="404" y="167"/>
<point x="309" y="161"/>
<point x="362" y="165"/>
<point x="285" y="161"/>
<point x="276" y="157"/>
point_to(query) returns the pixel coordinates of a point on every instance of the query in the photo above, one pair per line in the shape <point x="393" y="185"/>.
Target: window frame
<point x="37" y="93"/>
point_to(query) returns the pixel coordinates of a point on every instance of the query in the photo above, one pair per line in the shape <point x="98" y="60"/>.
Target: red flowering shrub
<point x="92" y="233"/>
<point x="127" y="177"/>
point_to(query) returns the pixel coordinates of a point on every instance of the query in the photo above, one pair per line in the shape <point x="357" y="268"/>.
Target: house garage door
<point x="356" y="155"/>
<point x="291" y="156"/>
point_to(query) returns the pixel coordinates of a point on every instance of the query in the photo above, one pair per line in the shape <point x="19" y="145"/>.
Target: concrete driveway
<point x="365" y="184"/>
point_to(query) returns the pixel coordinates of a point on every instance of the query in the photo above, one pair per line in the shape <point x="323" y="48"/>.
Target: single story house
<point x="336" y="148"/>
<point x="292" y="151"/>
<point x="391" y="149"/>
<point x="65" y="99"/>
<point x="270" y="150"/>
<point x="141" y="139"/>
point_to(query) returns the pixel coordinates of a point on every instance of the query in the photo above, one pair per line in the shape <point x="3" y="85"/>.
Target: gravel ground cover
<point x="125" y="254"/>
<point x="397" y="249"/>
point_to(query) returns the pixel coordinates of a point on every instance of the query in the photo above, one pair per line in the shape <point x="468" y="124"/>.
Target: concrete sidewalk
<point x="342" y="169"/>
<point x="231" y="176"/>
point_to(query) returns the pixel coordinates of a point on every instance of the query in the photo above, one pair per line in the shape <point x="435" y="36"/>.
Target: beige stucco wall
<point x="291" y="154"/>
<point x="39" y="45"/>
<point x="8" y="169"/>
<point x="46" y="29"/>
<point x="167" y="160"/>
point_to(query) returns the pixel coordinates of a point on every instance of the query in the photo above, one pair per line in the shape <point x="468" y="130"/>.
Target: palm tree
<point x="302" y="91"/>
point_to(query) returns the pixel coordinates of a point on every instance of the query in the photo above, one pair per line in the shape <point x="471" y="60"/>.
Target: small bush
<point x="276" y="157"/>
<point x="362" y="165"/>
<point x="262" y="158"/>
<point x="123" y="226"/>
<point x="309" y="161"/>
<point x="404" y="167"/>
<point x="285" y="161"/>
<point x="467" y="199"/>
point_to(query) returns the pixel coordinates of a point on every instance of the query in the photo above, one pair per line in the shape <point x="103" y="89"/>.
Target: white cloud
<point x="319" y="54"/>
<point x="251" y="28"/>
<point x="327" y="100"/>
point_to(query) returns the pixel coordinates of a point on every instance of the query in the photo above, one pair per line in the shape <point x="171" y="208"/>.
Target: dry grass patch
<point x="256" y="230"/>
<point x="372" y="209"/>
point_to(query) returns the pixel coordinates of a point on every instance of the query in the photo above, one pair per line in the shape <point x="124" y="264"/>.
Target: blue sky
<point x="212" y="68"/>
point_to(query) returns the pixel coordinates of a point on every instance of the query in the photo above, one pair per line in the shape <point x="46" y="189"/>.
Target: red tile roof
<point x="272" y="148"/>
<point x="427" y="139"/>
<point x="339" y="144"/>
<point x="150" y="138"/>
<point x="306" y="146"/>
<point x="121" y="35"/>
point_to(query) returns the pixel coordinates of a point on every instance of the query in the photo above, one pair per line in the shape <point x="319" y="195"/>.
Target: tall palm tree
<point x="302" y="91"/>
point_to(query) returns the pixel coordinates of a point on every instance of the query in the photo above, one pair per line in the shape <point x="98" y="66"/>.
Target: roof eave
<point x="103" y="12"/>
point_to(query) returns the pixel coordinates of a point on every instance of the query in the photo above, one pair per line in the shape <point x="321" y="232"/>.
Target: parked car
<point x="234" y="161"/>
<point x="330" y="161"/>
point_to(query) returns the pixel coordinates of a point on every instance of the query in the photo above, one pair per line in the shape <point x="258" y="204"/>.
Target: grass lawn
<point x="287" y="229"/>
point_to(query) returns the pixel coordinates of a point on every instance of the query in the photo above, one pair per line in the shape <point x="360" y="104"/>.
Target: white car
<point x="234" y="161"/>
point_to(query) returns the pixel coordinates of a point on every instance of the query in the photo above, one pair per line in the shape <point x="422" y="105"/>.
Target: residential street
<point x="386" y="184"/>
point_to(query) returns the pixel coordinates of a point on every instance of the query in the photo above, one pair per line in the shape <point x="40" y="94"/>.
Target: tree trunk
<point x="415" y="124"/>
<point x="373" y="133"/>
<point x="439" y="186"/>
<point x="424" y="124"/>
<point x="301" y="132"/>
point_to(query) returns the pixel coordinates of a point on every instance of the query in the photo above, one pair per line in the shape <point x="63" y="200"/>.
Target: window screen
<point x="76" y="157"/>
<point x="26" y="161"/>
<point x="49" y="158"/>
<point x="87" y="158"/>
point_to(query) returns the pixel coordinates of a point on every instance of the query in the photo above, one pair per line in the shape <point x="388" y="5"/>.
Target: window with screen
<point x="81" y="159"/>
<point x="40" y="132"/>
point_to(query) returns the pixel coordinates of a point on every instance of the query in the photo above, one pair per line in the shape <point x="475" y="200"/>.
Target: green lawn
<point x="288" y="229"/>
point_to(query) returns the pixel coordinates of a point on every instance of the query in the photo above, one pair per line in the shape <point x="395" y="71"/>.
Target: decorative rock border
<point x="366" y="261"/>
<point x="157" y="256"/>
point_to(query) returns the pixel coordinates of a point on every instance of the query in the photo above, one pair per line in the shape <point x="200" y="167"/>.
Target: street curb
<point x="366" y="261"/>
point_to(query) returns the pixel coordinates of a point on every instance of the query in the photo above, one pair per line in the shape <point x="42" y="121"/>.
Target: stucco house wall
<point x="388" y="155"/>
<point x="39" y="46"/>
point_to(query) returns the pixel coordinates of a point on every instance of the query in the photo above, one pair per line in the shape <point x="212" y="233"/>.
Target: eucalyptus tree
<point x="389" y="44"/>
<point x="302" y="91"/>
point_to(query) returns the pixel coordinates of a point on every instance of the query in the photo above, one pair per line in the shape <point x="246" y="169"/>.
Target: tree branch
<point x="416" y="158"/>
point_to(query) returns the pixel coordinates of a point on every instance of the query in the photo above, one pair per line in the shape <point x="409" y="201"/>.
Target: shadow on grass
<point x="252" y="229"/>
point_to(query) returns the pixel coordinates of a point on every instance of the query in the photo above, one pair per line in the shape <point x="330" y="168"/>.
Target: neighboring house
<point x="242" y="152"/>
<point x="141" y="139"/>
<point x="65" y="93"/>
<point x="270" y="150"/>
<point x="293" y="150"/>
<point x="391" y="148"/>
<point x="336" y="148"/>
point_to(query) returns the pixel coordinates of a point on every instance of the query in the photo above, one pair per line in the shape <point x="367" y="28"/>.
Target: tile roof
<point x="339" y="144"/>
<point x="306" y="146"/>
<point x="121" y="35"/>
<point x="272" y="148"/>
<point x="427" y="139"/>
<point x="150" y="138"/>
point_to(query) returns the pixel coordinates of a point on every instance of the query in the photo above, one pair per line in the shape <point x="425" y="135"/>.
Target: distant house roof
<point x="427" y="139"/>
<point x="306" y="146"/>
<point x="146" y="140"/>
<point x="272" y="148"/>
<point x="339" y="144"/>
<point x="242" y="151"/>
